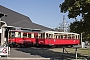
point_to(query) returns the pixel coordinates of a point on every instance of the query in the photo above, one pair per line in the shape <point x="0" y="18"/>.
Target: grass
<point x="82" y="52"/>
<point x="85" y="51"/>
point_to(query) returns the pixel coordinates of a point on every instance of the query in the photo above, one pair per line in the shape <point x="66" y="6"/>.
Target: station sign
<point x="3" y="51"/>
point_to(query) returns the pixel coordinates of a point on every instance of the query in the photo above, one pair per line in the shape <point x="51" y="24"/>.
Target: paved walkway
<point x="37" y="54"/>
<point x="9" y="58"/>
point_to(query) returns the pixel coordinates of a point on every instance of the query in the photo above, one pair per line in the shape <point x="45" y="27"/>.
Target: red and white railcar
<point x="31" y="38"/>
<point x="58" y="38"/>
<point x="22" y="38"/>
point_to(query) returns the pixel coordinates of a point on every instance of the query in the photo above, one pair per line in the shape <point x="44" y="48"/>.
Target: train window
<point x="64" y="36"/>
<point x="77" y="36"/>
<point x="32" y="35"/>
<point x="39" y="35"/>
<point x="19" y="34"/>
<point x="11" y="34"/>
<point x="24" y="35"/>
<point x="42" y="35"/>
<point x="73" y="36"/>
<point x="55" y="36"/>
<point x="46" y="35"/>
<point x="69" y="36"/>
<point x="58" y="36"/>
<point x="29" y="35"/>
<point x="61" y="36"/>
<point x="50" y="36"/>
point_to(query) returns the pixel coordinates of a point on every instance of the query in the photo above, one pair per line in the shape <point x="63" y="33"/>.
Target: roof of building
<point x="19" y="20"/>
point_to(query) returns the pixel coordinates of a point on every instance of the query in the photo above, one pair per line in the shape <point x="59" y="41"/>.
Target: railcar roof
<point x="53" y="32"/>
<point x="24" y="31"/>
<point x="20" y="31"/>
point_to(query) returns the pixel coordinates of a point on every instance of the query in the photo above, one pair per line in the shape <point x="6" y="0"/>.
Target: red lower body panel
<point x="22" y="40"/>
<point x="58" y="41"/>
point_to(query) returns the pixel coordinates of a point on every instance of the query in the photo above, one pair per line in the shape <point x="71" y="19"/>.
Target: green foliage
<point x="75" y="7"/>
<point x="81" y="27"/>
<point x="78" y="8"/>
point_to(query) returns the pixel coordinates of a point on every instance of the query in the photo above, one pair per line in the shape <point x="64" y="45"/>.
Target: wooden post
<point x="63" y="49"/>
<point x="76" y="53"/>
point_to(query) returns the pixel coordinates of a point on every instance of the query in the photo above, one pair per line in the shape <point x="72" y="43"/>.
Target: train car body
<point x="22" y="38"/>
<point x="58" y="41"/>
<point x="50" y="38"/>
<point x="58" y="38"/>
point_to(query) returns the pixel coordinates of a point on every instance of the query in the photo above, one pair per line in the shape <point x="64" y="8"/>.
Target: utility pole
<point x="64" y="24"/>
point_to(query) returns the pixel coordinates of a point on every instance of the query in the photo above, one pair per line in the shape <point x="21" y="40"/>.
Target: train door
<point x="49" y="38"/>
<point x="36" y="37"/>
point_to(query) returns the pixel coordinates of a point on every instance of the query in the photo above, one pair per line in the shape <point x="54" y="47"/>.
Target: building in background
<point x="17" y="20"/>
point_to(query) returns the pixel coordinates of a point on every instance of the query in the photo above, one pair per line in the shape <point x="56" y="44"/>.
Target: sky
<point x="42" y="12"/>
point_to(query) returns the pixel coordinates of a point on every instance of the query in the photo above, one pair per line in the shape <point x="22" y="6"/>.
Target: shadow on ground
<point x="47" y="53"/>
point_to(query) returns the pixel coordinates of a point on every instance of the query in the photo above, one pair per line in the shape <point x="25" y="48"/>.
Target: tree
<point x="77" y="8"/>
<point x="80" y="27"/>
